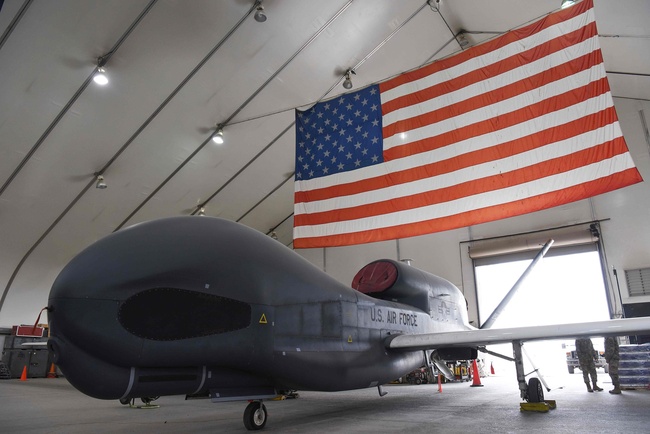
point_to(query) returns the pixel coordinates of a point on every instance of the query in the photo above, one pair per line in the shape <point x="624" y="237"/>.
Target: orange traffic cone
<point x="52" y="373"/>
<point x="23" y="377"/>
<point x="476" y="378"/>
<point x="491" y="368"/>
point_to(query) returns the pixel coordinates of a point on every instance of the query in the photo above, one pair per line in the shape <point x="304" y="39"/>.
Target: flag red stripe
<point x="482" y="100"/>
<point x="470" y="188"/>
<point x="486" y="47"/>
<point x="528" y="205"/>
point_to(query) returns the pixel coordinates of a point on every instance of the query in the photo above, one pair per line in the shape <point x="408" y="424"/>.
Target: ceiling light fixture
<point x="347" y="83"/>
<point x="100" y="183"/>
<point x="260" y="16"/>
<point x="217" y="137"/>
<point x="567" y="3"/>
<point x="100" y="75"/>
<point x="201" y="212"/>
<point x="462" y="39"/>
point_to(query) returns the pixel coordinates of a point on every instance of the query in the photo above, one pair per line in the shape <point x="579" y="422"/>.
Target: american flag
<point x="521" y="123"/>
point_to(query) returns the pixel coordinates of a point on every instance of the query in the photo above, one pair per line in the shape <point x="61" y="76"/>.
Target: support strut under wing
<point x="536" y="370"/>
<point x="519" y="367"/>
<point x="492" y="353"/>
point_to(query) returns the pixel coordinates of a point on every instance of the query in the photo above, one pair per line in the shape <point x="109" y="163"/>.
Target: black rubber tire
<point x="571" y="369"/>
<point x="535" y="390"/>
<point x="255" y="416"/>
<point x="148" y="399"/>
<point x="125" y="401"/>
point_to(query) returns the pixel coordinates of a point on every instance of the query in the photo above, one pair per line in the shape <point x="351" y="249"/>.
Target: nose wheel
<point x="146" y="400"/>
<point x="255" y="416"/>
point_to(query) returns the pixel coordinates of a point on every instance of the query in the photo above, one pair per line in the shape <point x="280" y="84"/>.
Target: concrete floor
<point x="53" y="406"/>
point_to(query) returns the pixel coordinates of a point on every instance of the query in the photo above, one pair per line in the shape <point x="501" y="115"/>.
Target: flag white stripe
<point x="548" y="120"/>
<point x="561" y="181"/>
<point x="497" y="82"/>
<point x="492" y="57"/>
<point x="532" y="97"/>
<point x="530" y="158"/>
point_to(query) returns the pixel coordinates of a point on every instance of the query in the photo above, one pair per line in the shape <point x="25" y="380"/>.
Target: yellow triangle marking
<point x="263" y="319"/>
<point x="349" y="339"/>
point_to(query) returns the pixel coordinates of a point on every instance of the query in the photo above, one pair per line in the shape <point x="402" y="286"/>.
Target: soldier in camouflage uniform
<point x="586" y="355"/>
<point x="612" y="358"/>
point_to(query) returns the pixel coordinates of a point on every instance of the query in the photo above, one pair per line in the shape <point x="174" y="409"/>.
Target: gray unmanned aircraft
<point x="205" y="307"/>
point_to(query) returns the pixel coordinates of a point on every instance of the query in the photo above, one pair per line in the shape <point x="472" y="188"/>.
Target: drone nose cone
<point x="89" y="374"/>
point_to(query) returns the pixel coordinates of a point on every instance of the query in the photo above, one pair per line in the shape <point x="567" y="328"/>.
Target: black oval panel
<point x="166" y="314"/>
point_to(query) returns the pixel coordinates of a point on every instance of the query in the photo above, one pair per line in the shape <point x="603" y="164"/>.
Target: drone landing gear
<point x="255" y="416"/>
<point x="147" y="401"/>
<point x="533" y="392"/>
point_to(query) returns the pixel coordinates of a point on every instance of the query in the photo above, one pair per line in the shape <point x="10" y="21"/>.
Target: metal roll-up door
<point x="526" y="246"/>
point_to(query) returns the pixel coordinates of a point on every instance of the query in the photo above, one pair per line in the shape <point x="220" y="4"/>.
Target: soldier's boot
<point x="616" y="390"/>
<point x="589" y="389"/>
<point x="597" y="389"/>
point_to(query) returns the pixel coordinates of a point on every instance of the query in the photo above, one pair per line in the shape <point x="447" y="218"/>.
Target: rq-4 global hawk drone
<point x="206" y="307"/>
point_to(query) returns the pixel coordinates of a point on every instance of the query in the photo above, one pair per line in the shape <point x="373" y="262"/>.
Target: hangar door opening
<point x="566" y="286"/>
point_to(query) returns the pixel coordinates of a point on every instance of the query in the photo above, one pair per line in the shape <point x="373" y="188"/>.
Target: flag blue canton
<point x="339" y="135"/>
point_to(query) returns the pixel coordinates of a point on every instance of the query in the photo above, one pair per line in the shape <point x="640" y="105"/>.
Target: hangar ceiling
<point x="177" y="70"/>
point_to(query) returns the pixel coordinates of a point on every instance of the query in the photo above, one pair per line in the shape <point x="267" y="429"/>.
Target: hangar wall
<point x="624" y="216"/>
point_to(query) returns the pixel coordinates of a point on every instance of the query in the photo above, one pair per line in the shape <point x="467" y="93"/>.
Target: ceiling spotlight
<point x="218" y="136"/>
<point x="100" y="76"/>
<point x="347" y="83"/>
<point x="273" y="235"/>
<point x="201" y="212"/>
<point x="260" y="16"/>
<point x="567" y="3"/>
<point x="462" y="39"/>
<point x="100" y="182"/>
